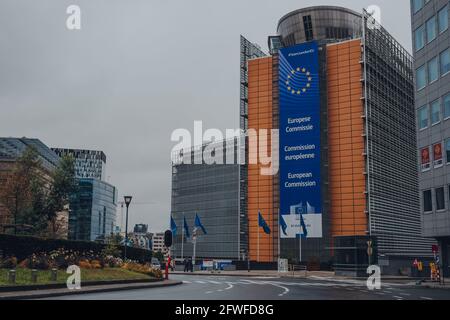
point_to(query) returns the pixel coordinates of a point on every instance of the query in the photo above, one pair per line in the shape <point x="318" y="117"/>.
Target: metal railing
<point x="299" y="270"/>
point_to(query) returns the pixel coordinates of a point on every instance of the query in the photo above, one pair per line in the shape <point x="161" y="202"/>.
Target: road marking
<point x="214" y="282"/>
<point x="230" y="286"/>
<point x="404" y="294"/>
<point x="209" y="292"/>
<point x="220" y="290"/>
<point x="286" y="290"/>
<point x="185" y="281"/>
<point x="398" y="298"/>
<point x="201" y="282"/>
<point x="426" y="298"/>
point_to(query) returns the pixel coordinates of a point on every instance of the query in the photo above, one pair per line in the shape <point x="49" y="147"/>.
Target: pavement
<point x="237" y="287"/>
<point x="91" y="289"/>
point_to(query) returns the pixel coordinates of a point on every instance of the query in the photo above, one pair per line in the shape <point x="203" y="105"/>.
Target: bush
<point x="145" y="269"/>
<point x="8" y="263"/>
<point x="23" y="247"/>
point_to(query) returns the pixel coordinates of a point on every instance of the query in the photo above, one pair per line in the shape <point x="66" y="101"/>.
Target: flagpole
<point x="182" y="240"/>
<point x="279" y="236"/>
<point x="258" y="235"/>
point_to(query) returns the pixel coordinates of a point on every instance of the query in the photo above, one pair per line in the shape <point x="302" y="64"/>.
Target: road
<point x="269" y="288"/>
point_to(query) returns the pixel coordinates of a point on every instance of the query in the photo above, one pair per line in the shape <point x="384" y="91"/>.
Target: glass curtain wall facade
<point x="92" y="210"/>
<point x="210" y="191"/>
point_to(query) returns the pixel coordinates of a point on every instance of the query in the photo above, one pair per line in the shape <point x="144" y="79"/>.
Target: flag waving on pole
<point x="283" y="225"/>
<point x="173" y="226"/>
<point x="263" y="224"/>
<point x="186" y="228"/>
<point x="199" y="224"/>
<point x="302" y="222"/>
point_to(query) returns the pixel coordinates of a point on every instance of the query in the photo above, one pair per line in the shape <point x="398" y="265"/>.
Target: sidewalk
<point x="48" y="293"/>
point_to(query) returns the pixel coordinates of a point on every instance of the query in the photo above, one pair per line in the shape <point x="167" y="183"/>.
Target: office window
<point x="443" y="19"/>
<point x="440" y="198"/>
<point x="446" y="103"/>
<point x="427" y="203"/>
<point x="423" y="117"/>
<point x="447" y="150"/>
<point x="419" y="38"/>
<point x="445" y="62"/>
<point x="431" y="29"/>
<point x="417" y="5"/>
<point x="421" y="77"/>
<point x="435" y="112"/>
<point x="433" y="70"/>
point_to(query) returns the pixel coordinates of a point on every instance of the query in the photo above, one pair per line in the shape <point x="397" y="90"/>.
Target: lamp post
<point x="127" y="203"/>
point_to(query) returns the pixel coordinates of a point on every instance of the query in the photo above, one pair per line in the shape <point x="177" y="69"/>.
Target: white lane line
<point x="214" y="282"/>
<point x="398" y="298"/>
<point x="230" y="286"/>
<point x="209" y="292"/>
<point x="286" y="290"/>
<point x="426" y="298"/>
<point x="404" y="294"/>
<point x="220" y="290"/>
<point x="200" y="282"/>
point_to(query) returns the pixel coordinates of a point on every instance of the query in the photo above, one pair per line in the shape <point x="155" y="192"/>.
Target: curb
<point x="26" y="295"/>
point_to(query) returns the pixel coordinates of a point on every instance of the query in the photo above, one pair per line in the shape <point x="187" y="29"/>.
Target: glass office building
<point x="211" y="192"/>
<point x="92" y="210"/>
<point x="88" y="163"/>
<point x="431" y="46"/>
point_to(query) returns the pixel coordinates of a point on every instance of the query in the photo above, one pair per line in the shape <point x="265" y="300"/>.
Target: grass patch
<point x="23" y="276"/>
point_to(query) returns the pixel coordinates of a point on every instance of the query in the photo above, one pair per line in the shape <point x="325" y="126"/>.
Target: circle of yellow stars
<point x="299" y="91"/>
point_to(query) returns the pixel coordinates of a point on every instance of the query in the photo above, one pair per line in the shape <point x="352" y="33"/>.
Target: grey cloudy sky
<point x="136" y="71"/>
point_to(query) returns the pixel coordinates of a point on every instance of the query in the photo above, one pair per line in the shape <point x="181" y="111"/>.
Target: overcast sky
<point x="137" y="70"/>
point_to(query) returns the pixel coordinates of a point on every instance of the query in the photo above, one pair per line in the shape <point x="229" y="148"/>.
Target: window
<point x="417" y="5"/>
<point x="445" y="62"/>
<point x="447" y="150"/>
<point x="431" y="29"/>
<point x="435" y="112"/>
<point x="443" y="19"/>
<point x="307" y="24"/>
<point x="433" y="70"/>
<point x="446" y="103"/>
<point x="427" y="203"/>
<point x="419" y="38"/>
<point x="423" y="117"/>
<point x="421" y="77"/>
<point x="440" y="198"/>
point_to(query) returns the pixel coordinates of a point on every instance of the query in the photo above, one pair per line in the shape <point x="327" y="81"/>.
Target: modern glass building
<point x="88" y="163"/>
<point x="211" y="192"/>
<point x="340" y="89"/>
<point x="92" y="213"/>
<point x="431" y="38"/>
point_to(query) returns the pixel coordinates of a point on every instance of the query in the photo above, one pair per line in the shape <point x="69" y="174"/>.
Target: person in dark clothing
<point x="186" y="265"/>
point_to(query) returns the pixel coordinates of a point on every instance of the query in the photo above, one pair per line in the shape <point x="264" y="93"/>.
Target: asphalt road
<point x="269" y="288"/>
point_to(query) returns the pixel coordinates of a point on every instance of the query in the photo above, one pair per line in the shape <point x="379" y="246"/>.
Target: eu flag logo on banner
<point x="299" y="81"/>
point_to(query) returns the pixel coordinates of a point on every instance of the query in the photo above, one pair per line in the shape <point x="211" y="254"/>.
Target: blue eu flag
<point x="263" y="224"/>
<point x="199" y="224"/>
<point x="173" y="226"/>
<point x="186" y="228"/>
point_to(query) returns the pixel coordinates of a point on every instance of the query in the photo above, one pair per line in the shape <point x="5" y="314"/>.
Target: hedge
<point x="22" y="247"/>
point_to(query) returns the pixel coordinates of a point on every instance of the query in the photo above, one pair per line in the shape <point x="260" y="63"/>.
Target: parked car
<point x="155" y="263"/>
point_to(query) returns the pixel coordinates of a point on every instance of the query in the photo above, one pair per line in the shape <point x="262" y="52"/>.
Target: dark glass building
<point x="92" y="210"/>
<point x="212" y="192"/>
<point x="88" y="163"/>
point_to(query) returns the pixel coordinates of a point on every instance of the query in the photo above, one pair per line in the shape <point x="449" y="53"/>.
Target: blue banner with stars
<point x="300" y="183"/>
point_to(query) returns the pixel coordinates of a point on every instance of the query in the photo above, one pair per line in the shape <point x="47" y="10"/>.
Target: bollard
<point x="12" y="276"/>
<point x="54" y="275"/>
<point x="34" y="276"/>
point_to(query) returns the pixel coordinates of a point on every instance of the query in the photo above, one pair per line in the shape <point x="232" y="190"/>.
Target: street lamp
<point x="127" y="203"/>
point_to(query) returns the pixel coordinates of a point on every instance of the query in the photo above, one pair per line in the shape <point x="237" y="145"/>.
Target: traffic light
<point x="168" y="238"/>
